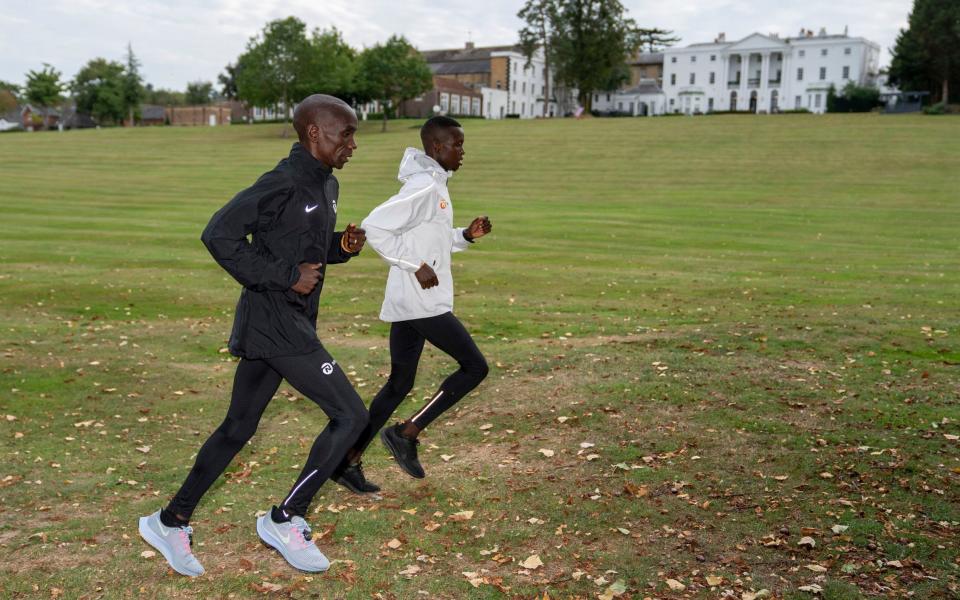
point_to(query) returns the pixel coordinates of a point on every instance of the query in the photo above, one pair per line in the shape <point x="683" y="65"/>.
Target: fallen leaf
<point x="838" y="529"/>
<point x="148" y="554"/>
<point x="812" y="588"/>
<point x="463" y="515"/>
<point x="431" y="526"/>
<point x="816" y="568"/>
<point x="446" y="457"/>
<point x="676" y="585"/>
<point x="617" y="588"/>
<point x="546" y="452"/>
<point x="410" y="571"/>
<point x="713" y="580"/>
<point x="637" y="491"/>
<point x="807" y="541"/>
<point x="894" y="563"/>
<point x="143" y="449"/>
<point x="486" y="426"/>
<point x="533" y="562"/>
<point x="593" y="456"/>
<point x="394" y="543"/>
<point x="764" y="593"/>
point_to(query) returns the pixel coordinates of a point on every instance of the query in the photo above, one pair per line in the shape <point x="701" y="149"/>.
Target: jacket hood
<point x="416" y="161"/>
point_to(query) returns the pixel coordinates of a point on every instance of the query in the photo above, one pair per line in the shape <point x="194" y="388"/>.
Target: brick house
<point x="452" y="96"/>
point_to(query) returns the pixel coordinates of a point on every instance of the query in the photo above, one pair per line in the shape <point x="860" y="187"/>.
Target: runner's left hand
<point x="354" y="238"/>
<point x="480" y="227"/>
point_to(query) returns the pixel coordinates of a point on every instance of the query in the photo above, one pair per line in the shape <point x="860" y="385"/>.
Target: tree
<point x="333" y="68"/>
<point x="98" y="89"/>
<point x="199" y="92"/>
<point x="228" y="82"/>
<point x="927" y="54"/>
<point x="655" y="40"/>
<point x="591" y="40"/>
<point x="539" y="16"/>
<point x="163" y="96"/>
<point x="853" y="98"/>
<point x="9" y="87"/>
<point x="274" y="68"/>
<point x="43" y="88"/>
<point x="393" y="72"/>
<point x="132" y="86"/>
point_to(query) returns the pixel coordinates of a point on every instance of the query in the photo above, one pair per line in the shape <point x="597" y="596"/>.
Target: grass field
<point x="710" y="339"/>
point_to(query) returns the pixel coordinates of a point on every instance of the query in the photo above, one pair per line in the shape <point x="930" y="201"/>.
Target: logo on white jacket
<point x="327" y="368"/>
<point x="443" y="204"/>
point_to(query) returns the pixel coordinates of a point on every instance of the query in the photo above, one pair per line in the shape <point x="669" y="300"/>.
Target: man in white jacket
<point x="413" y="231"/>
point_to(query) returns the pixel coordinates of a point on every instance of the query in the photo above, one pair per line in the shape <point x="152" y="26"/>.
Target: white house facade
<point x="646" y="99"/>
<point x="766" y="73"/>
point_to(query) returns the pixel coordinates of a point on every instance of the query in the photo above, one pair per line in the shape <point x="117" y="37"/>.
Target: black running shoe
<point x="404" y="450"/>
<point x="353" y="479"/>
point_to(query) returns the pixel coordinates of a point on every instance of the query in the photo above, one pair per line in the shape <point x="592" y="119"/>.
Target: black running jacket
<point x="289" y="215"/>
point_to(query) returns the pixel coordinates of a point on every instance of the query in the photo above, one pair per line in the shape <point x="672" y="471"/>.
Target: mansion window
<point x="846" y="72"/>
<point x="713" y="58"/>
<point x="693" y="78"/>
<point x="823" y="73"/>
<point x="797" y="102"/>
<point x="673" y="59"/>
<point x="823" y="52"/>
<point x="713" y="77"/>
<point x="673" y="79"/>
<point x="847" y="51"/>
<point x="800" y="74"/>
<point x="803" y="53"/>
<point x="693" y="59"/>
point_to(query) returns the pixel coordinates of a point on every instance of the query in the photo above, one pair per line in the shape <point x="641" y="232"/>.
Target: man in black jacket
<point x="289" y="214"/>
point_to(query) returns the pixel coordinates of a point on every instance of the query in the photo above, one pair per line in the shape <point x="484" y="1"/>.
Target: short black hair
<point x="434" y="125"/>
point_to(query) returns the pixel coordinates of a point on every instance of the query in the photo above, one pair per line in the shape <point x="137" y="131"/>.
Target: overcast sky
<point x="179" y="41"/>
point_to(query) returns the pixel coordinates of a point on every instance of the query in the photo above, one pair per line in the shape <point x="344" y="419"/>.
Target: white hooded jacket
<point x="413" y="228"/>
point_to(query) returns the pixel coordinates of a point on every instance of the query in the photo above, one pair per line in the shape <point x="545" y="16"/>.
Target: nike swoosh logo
<point x="312" y="208"/>
<point x="283" y="538"/>
<point x="164" y="531"/>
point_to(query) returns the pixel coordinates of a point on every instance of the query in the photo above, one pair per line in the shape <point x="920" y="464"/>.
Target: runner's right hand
<point x="309" y="276"/>
<point x="426" y="276"/>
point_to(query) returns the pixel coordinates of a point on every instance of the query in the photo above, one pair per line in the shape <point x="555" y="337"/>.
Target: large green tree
<point x="271" y="71"/>
<point x="9" y="87"/>
<point x="393" y="72"/>
<point x="199" y="92"/>
<point x="538" y="17"/>
<point x="43" y="88"/>
<point x="591" y="40"/>
<point x="98" y="89"/>
<point x="132" y="86"/>
<point x="927" y="54"/>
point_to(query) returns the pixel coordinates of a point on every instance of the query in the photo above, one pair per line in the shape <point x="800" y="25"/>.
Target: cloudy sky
<point x="179" y="41"/>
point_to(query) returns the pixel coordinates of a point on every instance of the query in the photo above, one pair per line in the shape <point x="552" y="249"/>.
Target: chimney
<point x="722" y="37"/>
<point x="470" y="46"/>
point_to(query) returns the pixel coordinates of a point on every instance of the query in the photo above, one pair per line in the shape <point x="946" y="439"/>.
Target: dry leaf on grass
<point x="394" y="544"/>
<point x="546" y="452"/>
<point x="533" y="562"/>
<point x="148" y="554"/>
<point x="463" y="515"/>
<point x="676" y="585"/>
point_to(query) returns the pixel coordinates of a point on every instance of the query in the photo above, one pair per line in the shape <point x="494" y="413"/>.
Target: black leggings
<point x="448" y="334"/>
<point x="318" y="377"/>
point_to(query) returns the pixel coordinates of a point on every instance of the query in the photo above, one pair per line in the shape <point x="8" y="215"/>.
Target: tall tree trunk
<point x="945" y="93"/>
<point x="546" y="63"/>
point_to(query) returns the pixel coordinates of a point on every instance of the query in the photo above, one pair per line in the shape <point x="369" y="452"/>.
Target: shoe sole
<point x="395" y="452"/>
<point x="157" y="542"/>
<point x="267" y="538"/>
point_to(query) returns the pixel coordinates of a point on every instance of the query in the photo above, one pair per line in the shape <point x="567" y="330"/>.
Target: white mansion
<point x="766" y="73"/>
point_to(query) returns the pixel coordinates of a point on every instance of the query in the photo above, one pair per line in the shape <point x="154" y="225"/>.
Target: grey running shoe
<point x="292" y="541"/>
<point x="173" y="543"/>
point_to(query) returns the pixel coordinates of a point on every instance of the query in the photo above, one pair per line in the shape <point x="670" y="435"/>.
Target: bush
<point x="730" y="112"/>
<point x="610" y="113"/>
<point x="936" y="109"/>
<point x="853" y="98"/>
<point x="796" y="111"/>
<point x="512" y="116"/>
